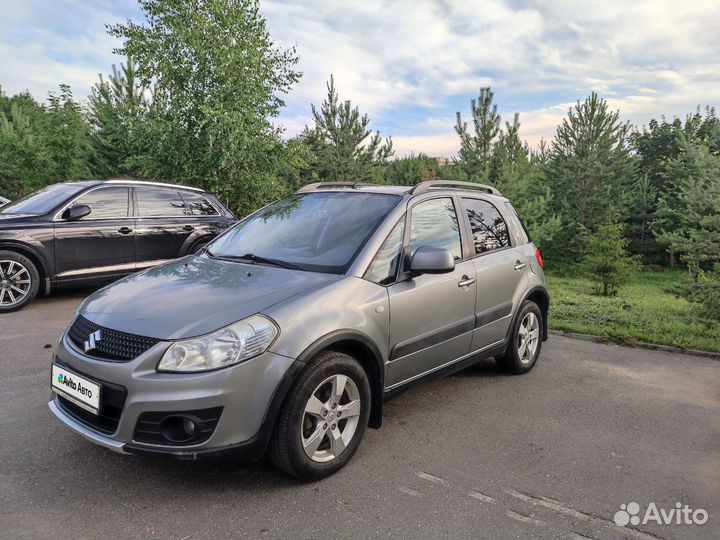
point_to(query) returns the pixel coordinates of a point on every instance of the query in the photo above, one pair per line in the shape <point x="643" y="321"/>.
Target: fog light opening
<point x="179" y="429"/>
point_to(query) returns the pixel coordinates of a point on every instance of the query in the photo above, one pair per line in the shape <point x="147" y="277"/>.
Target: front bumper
<point x="249" y="394"/>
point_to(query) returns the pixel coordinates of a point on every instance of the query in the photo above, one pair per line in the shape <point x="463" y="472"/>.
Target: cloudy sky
<point x="412" y="64"/>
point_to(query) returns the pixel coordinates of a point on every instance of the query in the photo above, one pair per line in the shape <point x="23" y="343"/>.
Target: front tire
<point x="525" y="341"/>
<point x="323" y="418"/>
<point x="19" y="281"/>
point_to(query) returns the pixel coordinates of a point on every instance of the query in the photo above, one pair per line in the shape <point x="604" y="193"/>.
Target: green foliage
<point x="607" y="259"/>
<point x="476" y="146"/>
<point x="705" y="292"/>
<point x="116" y="112"/>
<point x="411" y="170"/>
<point x="591" y="171"/>
<point x="217" y="78"/>
<point x="343" y="146"/>
<point x="688" y="216"/>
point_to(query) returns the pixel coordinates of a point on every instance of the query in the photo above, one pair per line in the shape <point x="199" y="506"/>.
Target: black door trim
<point x="434" y="337"/>
<point x="493" y="314"/>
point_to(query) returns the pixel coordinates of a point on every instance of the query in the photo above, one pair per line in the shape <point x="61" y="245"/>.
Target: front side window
<point x="106" y="203"/>
<point x="488" y="227"/>
<point x="384" y="267"/>
<point x="320" y="232"/>
<point x="198" y="205"/>
<point x="160" y="202"/>
<point x="434" y="223"/>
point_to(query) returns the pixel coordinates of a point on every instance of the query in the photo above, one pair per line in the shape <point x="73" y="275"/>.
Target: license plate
<point x="79" y="390"/>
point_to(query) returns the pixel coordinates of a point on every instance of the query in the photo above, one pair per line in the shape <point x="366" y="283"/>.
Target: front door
<point x="100" y="244"/>
<point x="432" y="316"/>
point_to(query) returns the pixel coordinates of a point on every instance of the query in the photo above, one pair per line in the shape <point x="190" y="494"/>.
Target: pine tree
<point x="607" y="259"/>
<point x="344" y="146"/>
<point x="116" y="110"/>
<point x="590" y="170"/>
<point x="476" y="146"/>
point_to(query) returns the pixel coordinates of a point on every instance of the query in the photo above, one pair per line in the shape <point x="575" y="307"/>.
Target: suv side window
<point x="488" y="226"/>
<point x="384" y="267"/>
<point x="160" y="202"/>
<point x="435" y="223"/>
<point x="198" y="205"/>
<point x="106" y="203"/>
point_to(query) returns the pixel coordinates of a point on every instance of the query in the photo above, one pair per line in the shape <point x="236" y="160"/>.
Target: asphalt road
<point x="481" y="454"/>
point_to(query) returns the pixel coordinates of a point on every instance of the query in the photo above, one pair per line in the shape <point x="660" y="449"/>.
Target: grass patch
<point x="644" y="310"/>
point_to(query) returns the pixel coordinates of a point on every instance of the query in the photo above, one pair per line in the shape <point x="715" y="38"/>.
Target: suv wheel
<point x="323" y="418"/>
<point x="19" y="281"/>
<point x="525" y="341"/>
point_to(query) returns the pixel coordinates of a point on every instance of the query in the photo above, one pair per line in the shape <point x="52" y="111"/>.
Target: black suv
<point x="93" y="231"/>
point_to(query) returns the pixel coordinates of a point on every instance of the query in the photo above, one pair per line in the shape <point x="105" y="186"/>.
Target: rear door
<point x="100" y="244"/>
<point x="163" y="224"/>
<point x="500" y="270"/>
<point x="431" y="316"/>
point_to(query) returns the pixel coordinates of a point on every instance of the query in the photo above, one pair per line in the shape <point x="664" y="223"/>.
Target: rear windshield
<point x="320" y="232"/>
<point x="42" y="200"/>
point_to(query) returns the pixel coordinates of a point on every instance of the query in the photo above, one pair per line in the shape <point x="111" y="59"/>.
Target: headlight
<point x="230" y="345"/>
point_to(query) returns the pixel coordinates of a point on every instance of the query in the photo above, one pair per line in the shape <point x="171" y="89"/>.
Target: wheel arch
<point x="540" y="296"/>
<point x="362" y="348"/>
<point x="35" y="257"/>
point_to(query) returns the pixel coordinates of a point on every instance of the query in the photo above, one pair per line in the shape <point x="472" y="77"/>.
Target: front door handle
<point x="124" y="230"/>
<point x="466" y="281"/>
<point x="519" y="265"/>
<point x="188" y="228"/>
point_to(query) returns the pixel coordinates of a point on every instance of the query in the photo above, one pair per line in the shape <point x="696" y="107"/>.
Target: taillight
<point x="539" y="258"/>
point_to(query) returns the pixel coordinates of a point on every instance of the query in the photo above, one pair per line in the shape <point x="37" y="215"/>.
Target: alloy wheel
<point x="330" y="418"/>
<point x="15" y="282"/>
<point x="528" y="337"/>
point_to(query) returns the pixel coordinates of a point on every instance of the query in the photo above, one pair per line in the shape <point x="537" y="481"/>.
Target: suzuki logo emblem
<point x="92" y="341"/>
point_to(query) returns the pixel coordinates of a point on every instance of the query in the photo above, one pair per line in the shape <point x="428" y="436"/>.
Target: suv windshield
<point x="42" y="200"/>
<point x="320" y="232"/>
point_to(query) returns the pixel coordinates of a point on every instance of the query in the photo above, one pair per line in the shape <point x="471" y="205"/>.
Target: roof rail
<point x="147" y="183"/>
<point x="323" y="185"/>
<point x="422" y="187"/>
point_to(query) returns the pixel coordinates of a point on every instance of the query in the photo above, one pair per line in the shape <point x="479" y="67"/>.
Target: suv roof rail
<point x="323" y="185"/>
<point x="147" y="183"/>
<point x="422" y="187"/>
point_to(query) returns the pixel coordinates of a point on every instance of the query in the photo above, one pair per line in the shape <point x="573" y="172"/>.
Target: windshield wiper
<point x="255" y="259"/>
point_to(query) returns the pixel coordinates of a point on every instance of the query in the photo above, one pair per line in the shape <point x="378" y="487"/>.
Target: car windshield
<point x="42" y="200"/>
<point x="319" y="232"/>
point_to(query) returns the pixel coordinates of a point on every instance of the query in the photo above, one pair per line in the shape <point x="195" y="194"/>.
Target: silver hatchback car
<point x="288" y="332"/>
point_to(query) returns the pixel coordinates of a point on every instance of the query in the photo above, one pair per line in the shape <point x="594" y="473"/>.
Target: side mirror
<point x="76" y="211"/>
<point x="432" y="260"/>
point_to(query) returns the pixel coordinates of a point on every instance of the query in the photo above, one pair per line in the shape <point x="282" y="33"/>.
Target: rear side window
<point x="434" y="223"/>
<point x="517" y="226"/>
<point x="384" y="267"/>
<point x="106" y="203"/>
<point x="488" y="226"/>
<point x="198" y="205"/>
<point x="159" y="202"/>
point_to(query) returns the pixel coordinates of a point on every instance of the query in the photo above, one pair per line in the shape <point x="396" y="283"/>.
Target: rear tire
<point x="19" y="281"/>
<point x="323" y="419"/>
<point x="525" y="341"/>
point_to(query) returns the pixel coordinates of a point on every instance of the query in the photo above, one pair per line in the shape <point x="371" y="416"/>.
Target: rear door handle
<point x="188" y="228"/>
<point x="519" y="265"/>
<point x="466" y="281"/>
<point x="124" y="230"/>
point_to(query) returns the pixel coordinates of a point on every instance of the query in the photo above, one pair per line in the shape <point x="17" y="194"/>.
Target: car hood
<point x="193" y="296"/>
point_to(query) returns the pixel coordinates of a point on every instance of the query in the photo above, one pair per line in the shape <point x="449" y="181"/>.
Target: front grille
<point x="113" y="345"/>
<point x="112" y="402"/>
